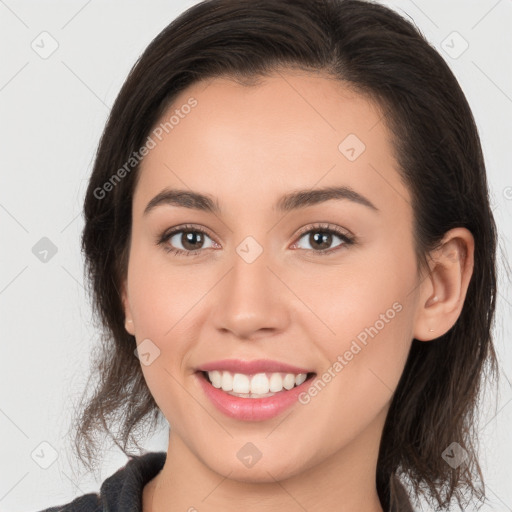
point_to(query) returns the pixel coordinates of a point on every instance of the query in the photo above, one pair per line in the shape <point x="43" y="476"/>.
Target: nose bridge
<point x="252" y="297"/>
<point x="250" y="279"/>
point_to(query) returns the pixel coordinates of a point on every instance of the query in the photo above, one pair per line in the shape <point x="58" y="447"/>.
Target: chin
<point x="267" y="469"/>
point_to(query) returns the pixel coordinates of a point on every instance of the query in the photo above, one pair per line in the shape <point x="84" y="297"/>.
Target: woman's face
<point x="326" y="284"/>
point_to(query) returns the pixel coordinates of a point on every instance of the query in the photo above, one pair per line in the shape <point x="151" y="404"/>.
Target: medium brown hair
<point x="383" y="56"/>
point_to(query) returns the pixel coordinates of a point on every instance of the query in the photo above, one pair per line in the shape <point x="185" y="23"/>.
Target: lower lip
<point x="251" y="409"/>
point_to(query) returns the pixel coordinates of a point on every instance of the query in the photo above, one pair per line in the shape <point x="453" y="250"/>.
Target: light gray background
<point x="52" y="112"/>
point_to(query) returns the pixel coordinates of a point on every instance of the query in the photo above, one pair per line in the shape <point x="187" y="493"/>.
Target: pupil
<point x="192" y="239"/>
<point x="324" y="239"/>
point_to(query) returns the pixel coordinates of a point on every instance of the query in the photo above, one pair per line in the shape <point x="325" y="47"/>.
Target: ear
<point x="443" y="291"/>
<point x="128" y="318"/>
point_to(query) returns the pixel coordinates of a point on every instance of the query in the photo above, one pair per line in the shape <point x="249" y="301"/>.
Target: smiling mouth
<point x="259" y="385"/>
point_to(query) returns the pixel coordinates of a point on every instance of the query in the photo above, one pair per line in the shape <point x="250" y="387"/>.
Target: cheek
<point x="362" y="371"/>
<point x="365" y="297"/>
<point x="369" y="309"/>
<point x="162" y="295"/>
<point x="162" y="319"/>
<point x="162" y="304"/>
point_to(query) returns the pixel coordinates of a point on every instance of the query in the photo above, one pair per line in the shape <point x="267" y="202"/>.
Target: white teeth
<point x="276" y="383"/>
<point x="289" y="381"/>
<point x="216" y="378"/>
<point x="260" y="384"/>
<point x="300" y="379"/>
<point x="227" y="381"/>
<point x="241" y="383"/>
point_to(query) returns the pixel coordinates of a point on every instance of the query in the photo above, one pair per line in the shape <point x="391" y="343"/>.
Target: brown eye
<point x="320" y="240"/>
<point x="185" y="241"/>
<point x="190" y="240"/>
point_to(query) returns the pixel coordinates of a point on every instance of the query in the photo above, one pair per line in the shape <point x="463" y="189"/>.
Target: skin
<point x="247" y="146"/>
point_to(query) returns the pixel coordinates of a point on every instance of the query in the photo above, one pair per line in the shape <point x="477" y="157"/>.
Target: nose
<point x="251" y="301"/>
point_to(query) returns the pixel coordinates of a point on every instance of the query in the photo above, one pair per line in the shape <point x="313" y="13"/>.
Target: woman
<point x="291" y="249"/>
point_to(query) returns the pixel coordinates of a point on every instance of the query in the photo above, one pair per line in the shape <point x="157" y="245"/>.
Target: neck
<point x="345" y="481"/>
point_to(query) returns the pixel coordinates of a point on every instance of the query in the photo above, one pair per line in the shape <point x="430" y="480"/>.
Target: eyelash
<point x="321" y="228"/>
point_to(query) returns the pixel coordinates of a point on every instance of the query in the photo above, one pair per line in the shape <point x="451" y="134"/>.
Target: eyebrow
<point x="289" y="202"/>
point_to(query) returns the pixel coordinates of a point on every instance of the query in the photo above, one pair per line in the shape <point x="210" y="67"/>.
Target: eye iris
<point x="321" y="238"/>
<point x="192" y="238"/>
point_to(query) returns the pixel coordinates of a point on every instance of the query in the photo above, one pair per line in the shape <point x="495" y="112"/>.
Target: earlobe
<point x="128" y="320"/>
<point x="128" y="325"/>
<point x="443" y="292"/>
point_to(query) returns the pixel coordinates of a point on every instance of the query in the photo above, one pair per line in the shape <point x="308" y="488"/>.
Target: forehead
<point x="291" y="130"/>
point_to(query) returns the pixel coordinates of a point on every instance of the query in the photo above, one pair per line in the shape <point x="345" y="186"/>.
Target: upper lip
<point x="251" y="367"/>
